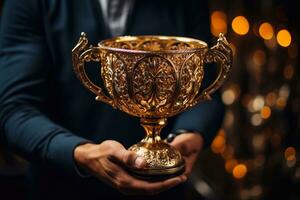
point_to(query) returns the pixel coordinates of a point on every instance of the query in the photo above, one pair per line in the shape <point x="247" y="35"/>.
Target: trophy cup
<point x="152" y="77"/>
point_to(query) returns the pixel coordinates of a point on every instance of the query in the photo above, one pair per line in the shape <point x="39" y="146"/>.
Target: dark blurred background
<point x="256" y="153"/>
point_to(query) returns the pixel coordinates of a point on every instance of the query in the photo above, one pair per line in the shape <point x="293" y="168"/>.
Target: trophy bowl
<point x="153" y="78"/>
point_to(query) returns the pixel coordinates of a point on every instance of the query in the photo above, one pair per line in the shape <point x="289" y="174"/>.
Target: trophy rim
<point x="161" y="37"/>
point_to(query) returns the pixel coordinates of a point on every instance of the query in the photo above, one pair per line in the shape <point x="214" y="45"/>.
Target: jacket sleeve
<point x="205" y="118"/>
<point x="25" y="65"/>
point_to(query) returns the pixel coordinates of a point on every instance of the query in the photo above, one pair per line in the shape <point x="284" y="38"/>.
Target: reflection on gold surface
<point x="153" y="77"/>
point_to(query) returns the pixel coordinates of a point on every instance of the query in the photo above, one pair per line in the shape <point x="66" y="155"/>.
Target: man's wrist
<point x="79" y="158"/>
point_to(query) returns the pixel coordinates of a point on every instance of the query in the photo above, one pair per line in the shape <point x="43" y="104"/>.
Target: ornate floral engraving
<point x="159" y="158"/>
<point x="153" y="83"/>
<point x="153" y="77"/>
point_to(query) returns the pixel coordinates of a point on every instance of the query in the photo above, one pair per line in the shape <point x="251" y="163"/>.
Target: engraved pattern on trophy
<point x="82" y="54"/>
<point x="151" y="43"/>
<point x="191" y="75"/>
<point x="153" y="77"/>
<point x="221" y="53"/>
<point x="158" y="158"/>
<point x="153" y="84"/>
<point x="114" y="76"/>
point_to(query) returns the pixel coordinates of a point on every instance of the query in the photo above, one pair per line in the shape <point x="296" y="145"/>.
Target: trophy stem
<point x="163" y="161"/>
<point x="153" y="128"/>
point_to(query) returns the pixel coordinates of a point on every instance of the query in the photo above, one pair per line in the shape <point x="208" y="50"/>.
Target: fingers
<point x="119" y="154"/>
<point x="187" y="143"/>
<point x="180" y="144"/>
<point x="189" y="163"/>
<point x="127" y="184"/>
<point x="108" y="166"/>
<point x="151" y="188"/>
<point x="129" y="158"/>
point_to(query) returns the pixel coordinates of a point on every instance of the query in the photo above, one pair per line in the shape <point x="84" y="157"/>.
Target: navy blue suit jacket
<point x="45" y="112"/>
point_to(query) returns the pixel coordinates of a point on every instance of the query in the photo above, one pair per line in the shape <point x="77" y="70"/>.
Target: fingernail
<point x="139" y="162"/>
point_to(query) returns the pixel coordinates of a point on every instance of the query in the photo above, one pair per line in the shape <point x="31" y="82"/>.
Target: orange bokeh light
<point x="240" y="25"/>
<point x="265" y="112"/>
<point x="284" y="38"/>
<point x="219" y="143"/>
<point x="266" y="31"/>
<point x="218" y="24"/>
<point x="290" y="153"/>
<point x="239" y="171"/>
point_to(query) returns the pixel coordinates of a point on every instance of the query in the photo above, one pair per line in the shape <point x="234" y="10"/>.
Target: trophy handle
<point x="81" y="55"/>
<point x="221" y="53"/>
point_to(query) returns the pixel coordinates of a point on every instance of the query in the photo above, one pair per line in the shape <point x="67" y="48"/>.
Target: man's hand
<point x="189" y="145"/>
<point x="107" y="162"/>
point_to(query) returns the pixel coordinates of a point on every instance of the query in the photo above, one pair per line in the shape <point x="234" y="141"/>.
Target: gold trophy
<point x="152" y="77"/>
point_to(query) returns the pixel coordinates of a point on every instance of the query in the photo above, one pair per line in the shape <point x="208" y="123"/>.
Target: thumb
<point x="130" y="158"/>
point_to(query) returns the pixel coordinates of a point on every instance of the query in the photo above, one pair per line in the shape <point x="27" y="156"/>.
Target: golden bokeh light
<point x="219" y="142"/>
<point x="266" y="31"/>
<point x="258" y="103"/>
<point x="228" y="97"/>
<point x="290" y="153"/>
<point x="284" y="91"/>
<point x="239" y="171"/>
<point x="281" y="102"/>
<point x="240" y="25"/>
<point x="265" y="112"/>
<point x="256" y="119"/>
<point x="284" y="38"/>
<point x="218" y="23"/>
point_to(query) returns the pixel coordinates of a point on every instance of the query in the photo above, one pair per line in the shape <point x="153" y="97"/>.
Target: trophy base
<point x="157" y="174"/>
<point x="162" y="160"/>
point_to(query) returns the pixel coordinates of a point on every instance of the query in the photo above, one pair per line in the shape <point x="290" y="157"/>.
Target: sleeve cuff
<point x="61" y="152"/>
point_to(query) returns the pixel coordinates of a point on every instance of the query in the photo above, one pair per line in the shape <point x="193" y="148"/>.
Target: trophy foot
<point x="158" y="174"/>
<point x="162" y="161"/>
